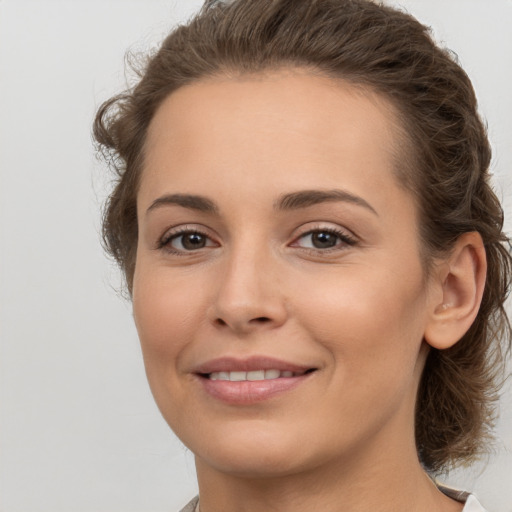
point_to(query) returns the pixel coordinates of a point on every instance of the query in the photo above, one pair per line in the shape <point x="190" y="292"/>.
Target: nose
<point x="248" y="294"/>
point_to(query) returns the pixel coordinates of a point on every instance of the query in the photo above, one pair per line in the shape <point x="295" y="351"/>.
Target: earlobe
<point x="460" y="281"/>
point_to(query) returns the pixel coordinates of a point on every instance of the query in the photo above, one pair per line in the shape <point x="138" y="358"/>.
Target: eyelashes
<point x="185" y="239"/>
<point x="324" y="239"/>
<point x="193" y="240"/>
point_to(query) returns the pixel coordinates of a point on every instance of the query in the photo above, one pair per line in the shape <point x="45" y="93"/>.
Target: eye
<point x="324" y="238"/>
<point x="189" y="241"/>
<point x="185" y="240"/>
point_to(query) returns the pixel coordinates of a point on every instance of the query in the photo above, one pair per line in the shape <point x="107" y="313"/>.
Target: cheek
<point x="371" y="320"/>
<point x="372" y="331"/>
<point x="167" y="313"/>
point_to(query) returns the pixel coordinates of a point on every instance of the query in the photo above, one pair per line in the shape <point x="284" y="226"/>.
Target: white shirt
<point x="472" y="505"/>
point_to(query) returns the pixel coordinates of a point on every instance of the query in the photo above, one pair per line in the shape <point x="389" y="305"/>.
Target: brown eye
<point x="324" y="240"/>
<point x="189" y="241"/>
<point x="184" y="240"/>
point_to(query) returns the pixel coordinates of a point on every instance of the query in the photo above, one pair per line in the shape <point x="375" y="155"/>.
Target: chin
<point x="256" y="466"/>
<point x="253" y="455"/>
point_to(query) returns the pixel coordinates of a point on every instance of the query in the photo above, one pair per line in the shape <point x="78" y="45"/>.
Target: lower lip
<point x="249" y="392"/>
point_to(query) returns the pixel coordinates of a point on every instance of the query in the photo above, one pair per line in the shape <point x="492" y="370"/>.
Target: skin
<point x="358" y="312"/>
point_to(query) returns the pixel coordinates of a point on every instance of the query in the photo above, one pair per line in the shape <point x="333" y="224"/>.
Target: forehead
<point x="267" y="128"/>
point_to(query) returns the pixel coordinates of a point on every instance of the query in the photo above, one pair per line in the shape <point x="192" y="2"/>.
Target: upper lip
<point x="233" y="364"/>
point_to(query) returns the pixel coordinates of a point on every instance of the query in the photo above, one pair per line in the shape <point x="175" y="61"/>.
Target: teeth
<point x="237" y="376"/>
<point x="272" y="374"/>
<point x="256" y="375"/>
<point x="253" y="375"/>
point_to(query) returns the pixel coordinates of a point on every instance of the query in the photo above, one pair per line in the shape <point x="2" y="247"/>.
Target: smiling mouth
<point x="255" y="375"/>
<point x="252" y="381"/>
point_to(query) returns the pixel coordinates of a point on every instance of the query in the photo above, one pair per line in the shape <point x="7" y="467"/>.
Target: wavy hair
<point x="445" y="164"/>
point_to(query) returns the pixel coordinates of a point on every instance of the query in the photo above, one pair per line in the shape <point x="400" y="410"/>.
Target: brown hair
<point x="446" y="164"/>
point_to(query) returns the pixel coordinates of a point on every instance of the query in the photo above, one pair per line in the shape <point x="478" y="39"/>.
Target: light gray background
<point x="78" y="427"/>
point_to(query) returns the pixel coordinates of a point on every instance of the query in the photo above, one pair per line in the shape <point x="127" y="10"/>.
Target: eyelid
<point x="163" y="242"/>
<point x="347" y="237"/>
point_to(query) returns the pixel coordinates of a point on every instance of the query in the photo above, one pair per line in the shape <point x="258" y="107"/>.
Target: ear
<point x="457" y="289"/>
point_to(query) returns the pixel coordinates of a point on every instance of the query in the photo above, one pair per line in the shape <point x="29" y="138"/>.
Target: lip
<point x="233" y="364"/>
<point x="250" y="392"/>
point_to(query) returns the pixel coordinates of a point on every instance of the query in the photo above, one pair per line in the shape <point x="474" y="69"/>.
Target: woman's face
<point x="278" y="293"/>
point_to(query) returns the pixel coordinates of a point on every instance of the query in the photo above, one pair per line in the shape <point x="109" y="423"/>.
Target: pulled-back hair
<point x="445" y="164"/>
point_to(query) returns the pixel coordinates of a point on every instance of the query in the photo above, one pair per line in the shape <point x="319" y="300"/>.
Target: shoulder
<point x="191" y="506"/>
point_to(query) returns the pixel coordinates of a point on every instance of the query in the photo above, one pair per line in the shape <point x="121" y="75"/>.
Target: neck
<point x="390" y="480"/>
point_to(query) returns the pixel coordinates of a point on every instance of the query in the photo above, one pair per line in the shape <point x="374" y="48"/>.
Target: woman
<point x="314" y="253"/>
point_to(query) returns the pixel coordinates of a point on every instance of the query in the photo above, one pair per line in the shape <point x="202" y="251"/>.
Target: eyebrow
<point x="305" y="198"/>
<point x="193" y="202"/>
<point x="291" y="201"/>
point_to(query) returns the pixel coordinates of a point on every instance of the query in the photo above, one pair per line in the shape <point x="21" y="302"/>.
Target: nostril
<point x="242" y="323"/>
<point x="261" y="319"/>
